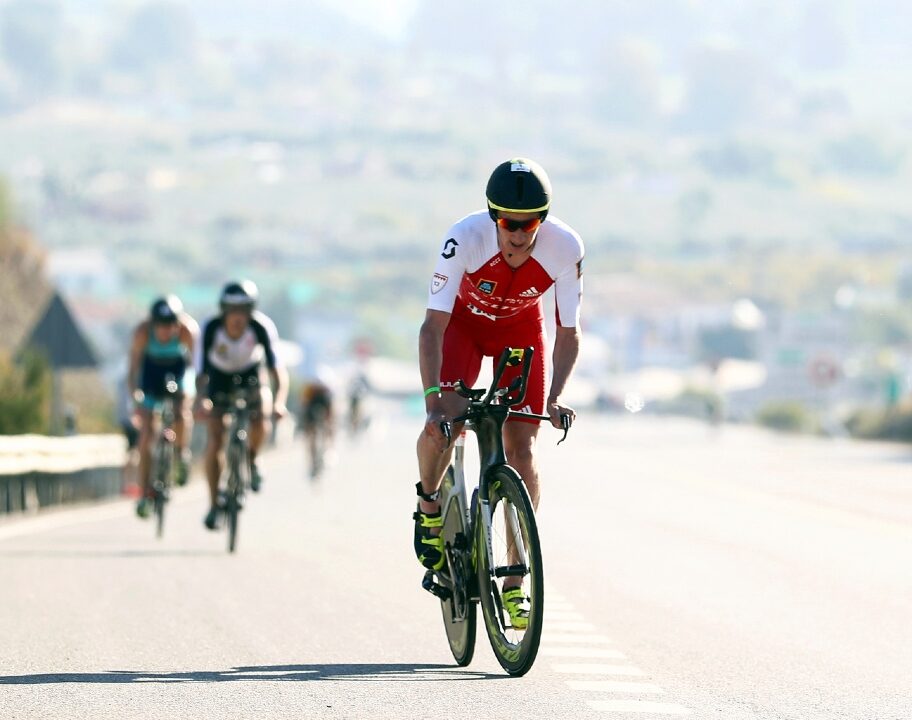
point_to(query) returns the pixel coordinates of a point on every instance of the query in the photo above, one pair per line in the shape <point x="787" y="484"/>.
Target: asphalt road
<point x="689" y="573"/>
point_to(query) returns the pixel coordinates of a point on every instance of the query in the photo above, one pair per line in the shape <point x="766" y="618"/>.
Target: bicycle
<point x="493" y="537"/>
<point x="237" y="471"/>
<point x="164" y="453"/>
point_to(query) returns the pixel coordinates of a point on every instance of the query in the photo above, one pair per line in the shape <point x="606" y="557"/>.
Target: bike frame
<point x="485" y="416"/>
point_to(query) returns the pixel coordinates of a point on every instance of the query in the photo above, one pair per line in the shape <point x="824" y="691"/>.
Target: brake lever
<point x="565" y="424"/>
<point x="445" y="429"/>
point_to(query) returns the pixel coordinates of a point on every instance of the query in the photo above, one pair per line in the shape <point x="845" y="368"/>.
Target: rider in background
<point x="317" y="420"/>
<point x="485" y="293"/>
<point x="357" y="399"/>
<point x="162" y="345"/>
<point x="238" y="342"/>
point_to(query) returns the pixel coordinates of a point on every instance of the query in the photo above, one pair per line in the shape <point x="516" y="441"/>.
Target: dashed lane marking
<point x="638" y="706"/>
<point x="597" y="669"/>
<point x="568" y="636"/>
<point x="616" y="686"/>
<point x="582" y="652"/>
<point x="589" y="639"/>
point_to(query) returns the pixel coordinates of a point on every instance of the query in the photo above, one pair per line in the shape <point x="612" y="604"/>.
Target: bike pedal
<point x="435" y="588"/>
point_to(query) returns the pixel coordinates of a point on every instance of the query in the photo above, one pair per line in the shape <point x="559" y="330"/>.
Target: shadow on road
<point x="91" y="554"/>
<point x="337" y="672"/>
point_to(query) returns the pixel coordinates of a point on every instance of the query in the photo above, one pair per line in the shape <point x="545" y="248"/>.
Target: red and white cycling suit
<point x="494" y="305"/>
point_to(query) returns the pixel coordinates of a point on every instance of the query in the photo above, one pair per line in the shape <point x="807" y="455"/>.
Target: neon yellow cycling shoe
<point x="517" y="606"/>
<point x="428" y="546"/>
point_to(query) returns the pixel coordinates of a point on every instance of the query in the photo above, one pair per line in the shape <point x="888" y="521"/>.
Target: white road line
<point x="597" y="669"/>
<point x="638" y="706"/>
<point x="587" y="639"/>
<point x="563" y="616"/>
<point x="582" y="652"/>
<point x="577" y="627"/>
<point x="615" y="686"/>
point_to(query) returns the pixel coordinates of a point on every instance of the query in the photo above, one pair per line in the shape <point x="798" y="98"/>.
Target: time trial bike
<point x="494" y="538"/>
<point x="237" y="471"/>
<point x="164" y="452"/>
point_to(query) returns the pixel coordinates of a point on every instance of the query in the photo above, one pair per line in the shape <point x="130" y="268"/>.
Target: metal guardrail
<point x="38" y="471"/>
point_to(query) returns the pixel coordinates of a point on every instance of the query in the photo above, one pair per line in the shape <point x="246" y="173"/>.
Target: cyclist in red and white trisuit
<point x="485" y="294"/>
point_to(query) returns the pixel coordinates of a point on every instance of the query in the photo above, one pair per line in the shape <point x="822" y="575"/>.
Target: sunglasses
<point x="514" y="225"/>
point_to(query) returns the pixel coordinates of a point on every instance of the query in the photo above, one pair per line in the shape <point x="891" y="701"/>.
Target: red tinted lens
<point x="514" y="225"/>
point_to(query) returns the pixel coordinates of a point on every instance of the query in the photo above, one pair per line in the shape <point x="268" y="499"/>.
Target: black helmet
<point x="243" y="294"/>
<point x="166" y="309"/>
<point x="519" y="185"/>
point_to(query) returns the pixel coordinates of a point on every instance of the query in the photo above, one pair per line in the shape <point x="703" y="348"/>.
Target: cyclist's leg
<point x="146" y="438"/>
<point x="214" y="438"/>
<point x="520" y="433"/>
<point x="152" y="385"/>
<point x="462" y="358"/>
<point x="520" y="436"/>
<point x="183" y="427"/>
<point x="259" y="429"/>
<point x="432" y="463"/>
<point x="145" y="448"/>
<point x="461" y="361"/>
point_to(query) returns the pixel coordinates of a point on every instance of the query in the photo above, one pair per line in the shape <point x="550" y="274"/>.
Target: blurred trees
<point x="24" y="386"/>
<point x="23" y="287"/>
<point x="25" y="391"/>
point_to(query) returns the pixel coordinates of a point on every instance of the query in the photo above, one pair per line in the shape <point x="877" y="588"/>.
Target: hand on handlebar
<point x="434" y="428"/>
<point x="279" y="411"/>
<point x="202" y="408"/>
<point x="562" y="416"/>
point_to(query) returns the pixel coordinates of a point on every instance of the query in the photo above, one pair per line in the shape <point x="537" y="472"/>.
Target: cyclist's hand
<point x="432" y="427"/>
<point x="202" y="408"/>
<point x="279" y="411"/>
<point x="556" y="410"/>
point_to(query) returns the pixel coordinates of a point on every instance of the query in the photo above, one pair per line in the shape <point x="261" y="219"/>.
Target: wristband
<point x="435" y="389"/>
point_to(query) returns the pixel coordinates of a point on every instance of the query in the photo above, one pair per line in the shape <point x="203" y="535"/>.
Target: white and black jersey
<point x="218" y="353"/>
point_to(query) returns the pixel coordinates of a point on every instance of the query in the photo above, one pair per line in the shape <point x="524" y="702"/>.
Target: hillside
<point x="23" y="286"/>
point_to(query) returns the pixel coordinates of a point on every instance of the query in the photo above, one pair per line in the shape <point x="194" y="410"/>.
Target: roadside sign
<point x="823" y="371"/>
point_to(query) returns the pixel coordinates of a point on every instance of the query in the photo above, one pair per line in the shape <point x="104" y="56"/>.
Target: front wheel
<point x="238" y="467"/>
<point x="164" y="457"/>
<point x="517" y="562"/>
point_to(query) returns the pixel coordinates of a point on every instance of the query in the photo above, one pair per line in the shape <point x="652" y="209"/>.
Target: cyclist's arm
<point x="566" y="350"/>
<point x="279" y="377"/>
<point x="188" y="338"/>
<point x="201" y="360"/>
<point x="430" y="353"/>
<point x="189" y="334"/>
<point x="137" y="346"/>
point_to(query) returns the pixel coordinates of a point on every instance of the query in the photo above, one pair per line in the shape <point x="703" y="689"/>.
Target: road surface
<point x="729" y="574"/>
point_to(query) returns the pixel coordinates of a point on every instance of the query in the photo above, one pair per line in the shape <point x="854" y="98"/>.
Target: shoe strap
<point x="428" y="520"/>
<point x="513" y="595"/>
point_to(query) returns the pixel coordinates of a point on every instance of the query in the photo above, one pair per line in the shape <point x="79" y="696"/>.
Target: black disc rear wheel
<point x="459" y="611"/>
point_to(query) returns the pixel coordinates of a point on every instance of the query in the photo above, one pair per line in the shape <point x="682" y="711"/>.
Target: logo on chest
<point x="486" y="286"/>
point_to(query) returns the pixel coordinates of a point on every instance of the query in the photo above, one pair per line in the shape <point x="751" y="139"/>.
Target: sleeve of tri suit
<point x="268" y="337"/>
<point x="568" y="286"/>
<point x="451" y="266"/>
<point x="202" y="345"/>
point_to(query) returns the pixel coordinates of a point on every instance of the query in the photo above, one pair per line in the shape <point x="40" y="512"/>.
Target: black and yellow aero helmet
<point x="519" y="185"/>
